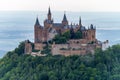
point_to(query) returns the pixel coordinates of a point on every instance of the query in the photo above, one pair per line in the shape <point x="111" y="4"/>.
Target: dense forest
<point x="103" y="65"/>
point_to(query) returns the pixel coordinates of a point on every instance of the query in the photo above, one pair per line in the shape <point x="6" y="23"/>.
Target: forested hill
<point x="103" y="65"/>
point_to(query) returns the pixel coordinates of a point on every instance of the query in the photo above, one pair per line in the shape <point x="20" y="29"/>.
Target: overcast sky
<point x="61" y="5"/>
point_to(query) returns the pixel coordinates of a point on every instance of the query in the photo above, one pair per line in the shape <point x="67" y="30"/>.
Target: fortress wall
<point x="56" y="48"/>
<point x="38" y="46"/>
<point x="78" y="41"/>
<point x="73" y="49"/>
<point x="72" y="52"/>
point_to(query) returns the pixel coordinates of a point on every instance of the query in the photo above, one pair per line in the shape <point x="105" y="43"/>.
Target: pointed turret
<point x="64" y="21"/>
<point x="64" y="17"/>
<point x="37" y="22"/>
<point x="37" y="27"/>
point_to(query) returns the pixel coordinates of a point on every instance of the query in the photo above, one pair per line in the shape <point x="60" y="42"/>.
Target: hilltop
<point x="103" y="65"/>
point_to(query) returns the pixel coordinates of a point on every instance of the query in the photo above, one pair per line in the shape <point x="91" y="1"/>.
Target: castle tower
<point x="48" y="22"/>
<point x="91" y="33"/>
<point x="37" y="31"/>
<point x="28" y="47"/>
<point x="64" y="21"/>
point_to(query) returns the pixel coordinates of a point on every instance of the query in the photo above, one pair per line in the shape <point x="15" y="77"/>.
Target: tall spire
<point x="37" y="22"/>
<point x="49" y="11"/>
<point x="64" y="17"/>
<point x="80" y="24"/>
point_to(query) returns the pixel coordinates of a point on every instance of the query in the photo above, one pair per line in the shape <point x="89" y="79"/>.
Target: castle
<point x="44" y="34"/>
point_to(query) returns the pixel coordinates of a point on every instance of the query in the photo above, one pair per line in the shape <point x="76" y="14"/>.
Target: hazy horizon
<point x="58" y="5"/>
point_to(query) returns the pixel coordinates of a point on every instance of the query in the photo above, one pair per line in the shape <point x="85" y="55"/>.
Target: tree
<point x="78" y="35"/>
<point x="46" y="49"/>
<point x="44" y="76"/>
<point x="20" y="49"/>
<point x="103" y="65"/>
<point x="72" y="33"/>
<point x="67" y="35"/>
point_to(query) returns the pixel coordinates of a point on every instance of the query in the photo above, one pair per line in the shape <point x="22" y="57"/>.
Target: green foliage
<point x="44" y="76"/>
<point x="46" y="50"/>
<point x="20" y="49"/>
<point x="63" y="38"/>
<point x="78" y="35"/>
<point x="35" y="50"/>
<point x="66" y="35"/>
<point x="60" y="39"/>
<point x="75" y="35"/>
<point x="103" y="65"/>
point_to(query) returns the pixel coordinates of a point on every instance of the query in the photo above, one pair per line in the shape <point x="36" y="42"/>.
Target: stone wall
<point x="78" y="41"/>
<point x="38" y="46"/>
<point x="74" y="47"/>
<point x="56" y="48"/>
<point x="68" y="49"/>
<point x="28" y="47"/>
<point x="65" y="49"/>
<point x="72" y="52"/>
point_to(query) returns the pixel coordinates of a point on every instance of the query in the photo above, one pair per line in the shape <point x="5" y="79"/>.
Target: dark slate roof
<point x="83" y="28"/>
<point x="91" y="26"/>
<point x="37" y="22"/>
<point x="64" y="17"/>
<point x="57" y="24"/>
<point x="52" y="30"/>
<point x="67" y="27"/>
<point x="48" y="21"/>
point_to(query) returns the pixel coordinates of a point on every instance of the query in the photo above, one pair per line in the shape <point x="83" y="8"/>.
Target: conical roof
<point x="37" y="22"/>
<point x="64" y="17"/>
